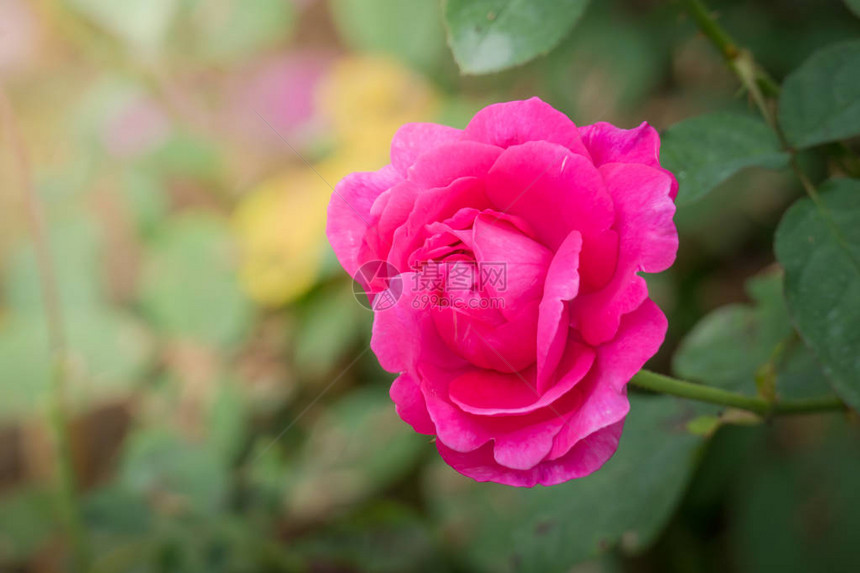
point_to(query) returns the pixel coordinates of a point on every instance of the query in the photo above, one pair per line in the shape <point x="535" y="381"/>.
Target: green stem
<point x="711" y="29"/>
<point x="666" y="385"/>
<point x="752" y="77"/>
<point x="58" y="417"/>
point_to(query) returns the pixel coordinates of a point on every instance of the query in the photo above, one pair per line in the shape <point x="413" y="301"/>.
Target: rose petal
<point x="349" y="212"/>
<point x="446" y="162"/>
<point x="493" y="394"/>
<point x="414" y="139"/>
<point x="639" y="337"/>
<point x="585" y="458"/>
<point x="515" y="122"/>
<point x="411" y="407"/>
<point x="562" y="284"/>
<point x="609" y="144"/>
<point x="554" y="190"/>
<point x="648" y="241"/>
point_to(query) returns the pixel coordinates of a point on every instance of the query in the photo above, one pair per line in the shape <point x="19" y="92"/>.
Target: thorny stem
<point x="752" y="77"/>
<point x="58" y="416"/>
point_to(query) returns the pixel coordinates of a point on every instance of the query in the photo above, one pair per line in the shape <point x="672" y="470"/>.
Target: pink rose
<point x="521" y="380"/>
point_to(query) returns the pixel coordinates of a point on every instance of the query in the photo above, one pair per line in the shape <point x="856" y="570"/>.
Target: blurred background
<point x="225" y="414"/>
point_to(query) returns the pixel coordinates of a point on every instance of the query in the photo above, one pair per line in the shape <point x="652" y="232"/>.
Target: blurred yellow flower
<point x="367" y="98"/>
<point x="281" y="224"/>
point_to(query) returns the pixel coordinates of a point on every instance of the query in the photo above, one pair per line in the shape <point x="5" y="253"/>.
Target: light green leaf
<point x="491" y="35"/>
<point x="230" y="30"/>
<point x="704" y="151"/>
<point x="551" y="529"/>
<point x="819" y="247"/>
<point x="142" y="24"/>
<point x="75" y="245"/>
<point x="189" y="288"/>
<point x="108" y="352"/>
<point x="820" y="101"/>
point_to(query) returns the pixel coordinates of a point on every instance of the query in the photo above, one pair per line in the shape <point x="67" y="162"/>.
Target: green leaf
<point x="357" y="447"/>
<point x="819" y="247"/>
<point x="231" y="30"/>
<point x="75" y="243"/>
<point x="330" y="324"/>
<point x="189" y="288"/>
<point x="159" y="464"/>
<point x="29" y="521"/>
<point x="410" y="30"/>
<point x="142" y="24"/>
<point x="854" y="6"/>
<point x="820" y="101"/>
<point x="363" y="542"/>
<point x="608" y="67"/>
<point x="704" y="151"/>
<point x="109" y="351"/>
<point x="227" y="420"/>
<point x="798" y="509"/>
<point x="549" y="530"/>
<point x="491" y="35"/>
<point x="736" y="344"/>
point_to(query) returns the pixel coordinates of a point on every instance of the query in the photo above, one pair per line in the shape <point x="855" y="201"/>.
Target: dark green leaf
<point x="356" y="447"/>
<point x="854" y="6"/>
<point x="27" y="524"/>
<point x="820" y="101"/>
<point x="491" y="35"/>
<point x="704" y="151"/>
<point x="549" y="530"/>
<point x="159" y="464"/>
<point x="819" y="246"/>
<point x="798" y="509"/>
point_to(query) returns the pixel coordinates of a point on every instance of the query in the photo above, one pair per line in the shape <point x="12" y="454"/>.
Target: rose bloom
<point x="531" y="389"/>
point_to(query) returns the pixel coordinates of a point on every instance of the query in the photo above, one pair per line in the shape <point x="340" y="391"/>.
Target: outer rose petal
<point x="414" y="139"/>
<point x="583" y="459"/>
<point x="349" y="212"/>
<point x="644" y="211"/>
<point x="648" y="241"/>
<point x="516" y="122"/>
<point x="609" y="144"/>
<point x="411" y="407"/>
<point x="639" y="337"/>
